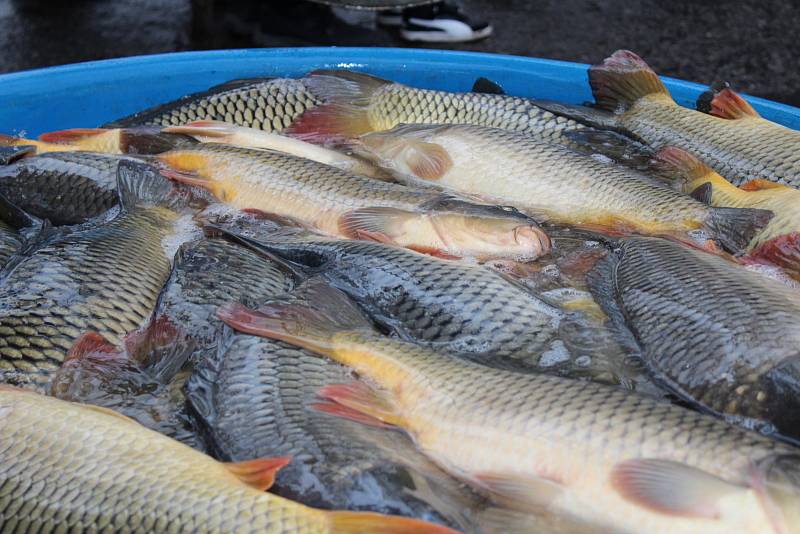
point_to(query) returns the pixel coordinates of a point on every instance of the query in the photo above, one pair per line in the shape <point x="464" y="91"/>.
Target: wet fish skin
<point x="465" y="308"/>
<point x="230" y="134"/>
<point x="355" y="207"/>
<point x="550" y="181"/>
<point x="578" y="449"/>
<point x="718" y="335"/>
<point x="356" y="103"/>
<point x="269" y="104"/>
<point x="62" y="187"/>
<point x="104" y="278"/>
<point x="207" y="273"/>
<point x="255" y="398"/>
<point x="10" y="243"/>
<point x="741" y="148"/>
<point x="115" y="474"/>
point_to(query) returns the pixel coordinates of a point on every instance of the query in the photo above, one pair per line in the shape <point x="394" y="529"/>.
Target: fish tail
<point x="723" y="102"/>
<point x="622" y="79"/>
<point x="344" y="113"/>
<point x="140" y="183"/>
<point x="690" y="171"/>
<point x="372" y="523"/>
<point x="309" y="326"/>
<point x="735" y="227"/>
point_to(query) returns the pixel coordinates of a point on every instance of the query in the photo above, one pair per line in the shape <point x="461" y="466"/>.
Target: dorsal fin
<point x="487" y="86"/>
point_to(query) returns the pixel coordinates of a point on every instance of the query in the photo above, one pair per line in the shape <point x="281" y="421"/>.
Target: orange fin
<point x="193" y="179"/>
<point x="361" y="398"/>
<point x="760" y="184"/>
<point x="783" y="251"/>
<point x="259" y="473"/>
<point x="435" y="252"/>
<point x="71" y="136"/>
<point x="727" y="104"/>
<point x="526" y="493"/>
<point x="622" y="79"/>
<point x="344" y="113"/>
<point x="670" y="488"/>
<point x="372" y="523"/>
<point x="674" y="158"/>
<point x="340" y="410"/>
<point x="329" y="123"/>
<point x="161" y="347"/>
<point x="299" y="324"/>
<point x="428" y="161"/>
<point x="375" y="224"/>
<point x="90" y="343"/>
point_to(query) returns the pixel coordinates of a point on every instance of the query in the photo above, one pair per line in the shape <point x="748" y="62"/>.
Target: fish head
<point x="489" y="232"/>
<point x="777" y="483"/>
<point x="409" y="150"/>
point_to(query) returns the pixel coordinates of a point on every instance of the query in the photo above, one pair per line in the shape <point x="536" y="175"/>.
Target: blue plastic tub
<point x="89" y="94"/>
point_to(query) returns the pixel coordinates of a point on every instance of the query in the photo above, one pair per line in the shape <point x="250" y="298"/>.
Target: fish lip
<point x="534" y="238"/>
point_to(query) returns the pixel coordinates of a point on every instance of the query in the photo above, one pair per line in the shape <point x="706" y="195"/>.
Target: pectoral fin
<point x="670" y="488"/>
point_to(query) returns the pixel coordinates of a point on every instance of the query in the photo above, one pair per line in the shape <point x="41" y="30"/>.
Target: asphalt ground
<point x="751" y="44"/>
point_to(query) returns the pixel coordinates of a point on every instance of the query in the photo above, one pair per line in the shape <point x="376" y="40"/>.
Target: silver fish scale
<point x="328" y="187"/>
<point x="255" y="396"/>
<point x="451" y="305"/>
<point x="738" y="150"/>
<point x="105" y="279"/>
<point x="598" y="419"/>
<point x="209" y="273"/>
<point x="104" y="487"/>
<point x="269" y="105"/>
<point x="722" y="336"/>
<point x="398" y="104"/>
<point x="63" y="187"/>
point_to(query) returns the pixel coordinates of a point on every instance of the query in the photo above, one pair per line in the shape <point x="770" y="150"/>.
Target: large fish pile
<point x="342" y="304"/>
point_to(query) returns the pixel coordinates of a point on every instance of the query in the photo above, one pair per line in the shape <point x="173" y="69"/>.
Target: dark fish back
<point x="65" y="188"/>
<point x="450" y="305"/>
<point x="269" y="104"/>
<point x="718" y="335"/>
<point x="207" y="274"/>
<point x="254" y="399"/>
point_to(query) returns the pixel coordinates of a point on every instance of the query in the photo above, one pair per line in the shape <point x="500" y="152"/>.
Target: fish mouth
<point x="533" y="239"/>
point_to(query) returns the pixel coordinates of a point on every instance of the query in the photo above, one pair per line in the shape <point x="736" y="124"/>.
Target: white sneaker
<point x="442" y="22"/>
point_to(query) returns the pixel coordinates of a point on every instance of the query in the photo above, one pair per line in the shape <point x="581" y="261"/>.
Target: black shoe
<point x="442" y="22"/>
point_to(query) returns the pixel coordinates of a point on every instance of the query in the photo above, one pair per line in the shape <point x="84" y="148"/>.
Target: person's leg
<point x="442" y="22"/>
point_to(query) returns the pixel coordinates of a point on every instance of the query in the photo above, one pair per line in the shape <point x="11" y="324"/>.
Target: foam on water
<point x="185" y="229"/>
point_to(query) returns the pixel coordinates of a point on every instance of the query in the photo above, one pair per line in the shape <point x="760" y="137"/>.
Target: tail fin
<point x="675" y="160"/>
<point x="721" y="101"/>
<point x="735" y="227"/>
<point x="372" y="523"/>
<point x="161" y="348"/>
<point x="308" y="326"/>
<point x="140" y="183"/>
<point x="347" y="96"/>
<point x="622" y="79"/>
